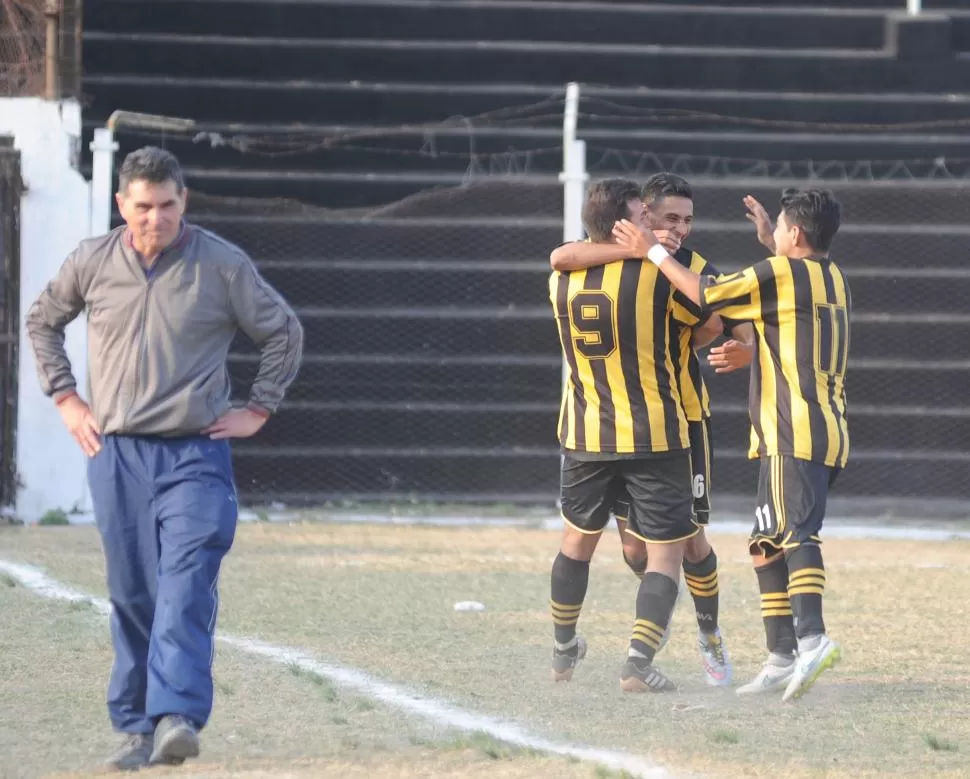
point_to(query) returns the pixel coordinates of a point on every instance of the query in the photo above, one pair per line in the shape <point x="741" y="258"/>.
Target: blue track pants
<point x="166" y="510"/>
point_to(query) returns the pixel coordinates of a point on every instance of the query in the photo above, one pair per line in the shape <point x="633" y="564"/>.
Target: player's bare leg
<point x="570" y="578"/>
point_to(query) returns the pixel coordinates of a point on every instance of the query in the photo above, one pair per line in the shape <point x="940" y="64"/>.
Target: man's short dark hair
<point x="661" y="185"/>
<point x="816" y="212"/>
<point x="606" y="204"/>
<point x="151" y="164"/>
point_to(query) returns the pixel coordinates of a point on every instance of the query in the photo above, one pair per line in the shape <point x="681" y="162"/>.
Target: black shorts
<point x="792" y="495"/>
<point x="701" y="453"/>
<point x="659" y="489"/>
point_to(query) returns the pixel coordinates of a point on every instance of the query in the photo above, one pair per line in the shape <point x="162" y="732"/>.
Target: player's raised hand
<point x="634" y="238"/>
<point x="730" y="356"/>
<point x="80" y="423"/>
<point x="758" y="215"/>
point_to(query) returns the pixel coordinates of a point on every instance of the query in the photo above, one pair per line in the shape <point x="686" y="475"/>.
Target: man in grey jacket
<point x="164" y="300"/>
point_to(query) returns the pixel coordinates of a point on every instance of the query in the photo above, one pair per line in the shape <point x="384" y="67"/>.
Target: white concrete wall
<point x="55" y="215"/>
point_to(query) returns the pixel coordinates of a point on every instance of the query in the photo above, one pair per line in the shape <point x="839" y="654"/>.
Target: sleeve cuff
<point x="704" y="283"/>
<point x="259" y="410"/>
<point x="65" y="394"/>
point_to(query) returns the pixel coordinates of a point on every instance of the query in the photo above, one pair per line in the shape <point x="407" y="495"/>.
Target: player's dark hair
<point x="151" y="164"/>
<point x="606" y="204"/>
<point x="661" y="185"/>
<point x="816" y="212"/>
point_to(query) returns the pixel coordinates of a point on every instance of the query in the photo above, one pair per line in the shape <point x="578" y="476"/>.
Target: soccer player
<point x="669" y="210"/>
<point x="622" y="425"/>
<point x="800" y="305"/>
<point x="164" y="300"/>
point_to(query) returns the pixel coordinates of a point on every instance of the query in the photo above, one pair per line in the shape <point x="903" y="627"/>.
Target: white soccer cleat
<point x="810" y="664"/>
<point x="717" y="665"/>
<point x="774" y="675"/>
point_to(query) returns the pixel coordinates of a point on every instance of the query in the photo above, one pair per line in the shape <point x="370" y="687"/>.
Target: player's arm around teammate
<point x="621" y="426"/>
<point x="800" y="304"/>
<point x="669" y="213"/>
<point x="164" y="300"/>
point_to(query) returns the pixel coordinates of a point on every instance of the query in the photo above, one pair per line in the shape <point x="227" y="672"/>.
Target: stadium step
<point x="298" y="475"/>
<point x="519" y="196"/>
<point x="883" y="5"/>
<point x="438" y="283"/>
<point x="459" y="284"/>
<point x="521" y="331"/>
<point x="884" y="381"/>
<point x="462" y="148"/>
<point x="715" y="200"/>
<point x="354" y="102"/>
<point x="870" y="248"/>
<point x="383" y="378"/>
<point x="518" y="424"/>
<point x="875" y="248"/>
<point x="398" y="60"/>
<point x="477" y="238"/>
<point x="590" y="22"/>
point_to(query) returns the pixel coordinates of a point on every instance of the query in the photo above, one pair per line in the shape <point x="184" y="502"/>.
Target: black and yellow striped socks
<point x="701" y="580"/>
<point x="570" y="579"/>
<point x="655" y="603"/>
<point x="806" y="586"/>
<point x="776" y="610"/>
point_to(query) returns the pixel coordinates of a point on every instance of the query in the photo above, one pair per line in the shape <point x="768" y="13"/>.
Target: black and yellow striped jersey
<point x="687" y="366"/>
<point x="620" y="396"/>
<point x="801" y="312"/>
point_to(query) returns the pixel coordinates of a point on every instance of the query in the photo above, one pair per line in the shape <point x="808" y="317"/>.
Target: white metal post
<point x="573" y="176"/>
<point x="102" y="179"/>
<point x="914" y="7"/>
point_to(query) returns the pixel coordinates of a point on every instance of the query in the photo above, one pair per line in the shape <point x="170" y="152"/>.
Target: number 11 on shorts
<point x="763" y="515"/>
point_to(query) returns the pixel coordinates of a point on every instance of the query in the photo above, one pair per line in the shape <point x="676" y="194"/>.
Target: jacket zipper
<point x="142" y="348"/>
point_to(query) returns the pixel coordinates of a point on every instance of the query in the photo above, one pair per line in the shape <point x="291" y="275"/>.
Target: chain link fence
<point x="22" y="41"/>
<point x="24" y="56"/>
<point x="432" y="369"/>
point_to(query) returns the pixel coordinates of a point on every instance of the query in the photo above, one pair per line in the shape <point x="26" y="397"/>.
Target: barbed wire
<point x="528" y="143"/>
<point x="631" y="113"/>
<point x="606" y="159"/>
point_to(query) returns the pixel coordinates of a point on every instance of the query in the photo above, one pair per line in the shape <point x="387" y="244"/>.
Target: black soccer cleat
<point x="639" y="676"/>
<point x="565" y="661"/>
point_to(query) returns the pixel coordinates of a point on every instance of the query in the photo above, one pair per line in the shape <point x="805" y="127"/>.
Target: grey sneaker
<point x="175" y="740"/>
<point x="133" y="754"/>
<point x="639" y="676"/>
<point x="565" y="661"/>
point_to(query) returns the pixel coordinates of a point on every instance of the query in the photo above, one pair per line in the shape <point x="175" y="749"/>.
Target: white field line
<point x="437" y="711"/>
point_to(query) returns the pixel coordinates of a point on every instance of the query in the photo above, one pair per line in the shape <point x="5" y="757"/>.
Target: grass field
<point x="380" y="599"/>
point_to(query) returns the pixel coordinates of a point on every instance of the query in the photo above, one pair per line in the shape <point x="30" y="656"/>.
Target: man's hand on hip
<point x="237" y="423"/>
<point x="80" y="423"/>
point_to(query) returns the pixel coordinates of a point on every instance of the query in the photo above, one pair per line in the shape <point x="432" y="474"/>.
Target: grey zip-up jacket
<point x="158" y="340"/>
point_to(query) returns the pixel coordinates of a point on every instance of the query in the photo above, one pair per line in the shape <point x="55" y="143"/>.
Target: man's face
<point x="786" y="236"/>
<point x="153" y="213"/>
<point x="675" y="215"/>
